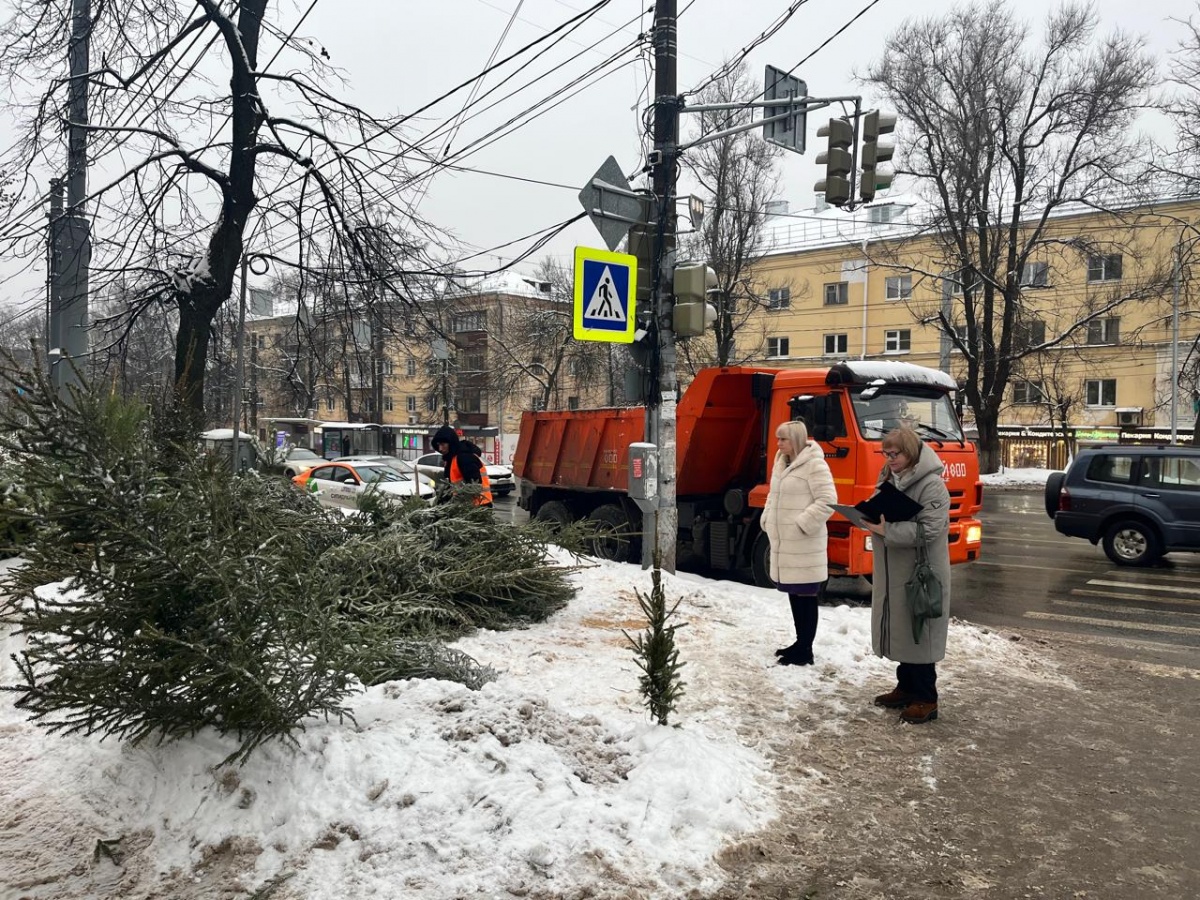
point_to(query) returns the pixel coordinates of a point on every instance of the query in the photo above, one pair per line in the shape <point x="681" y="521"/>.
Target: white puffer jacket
<point x="799" y="504"/>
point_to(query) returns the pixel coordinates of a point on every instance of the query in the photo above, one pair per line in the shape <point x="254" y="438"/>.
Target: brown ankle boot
<point x="919" y="712"/>
<point x="896" y="699"/>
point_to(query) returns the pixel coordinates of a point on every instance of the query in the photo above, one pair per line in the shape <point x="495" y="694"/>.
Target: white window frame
<point x="897" y="340"/>
<point x="1028" y="392"/>
<point x="1104" y="332"/>
<point x="1101" y="266"/>
<point x="779" y="298"/>
<point x="1100" y="401"/>
<point x="840" y="344"/>
<point x="411" y="367"/>
<point x="898" y="287"/>
<point x="1035" y="274"/>
<point x="410" y="404"/>
<point x="840" y="293"/>
<point x="778" y="347"/>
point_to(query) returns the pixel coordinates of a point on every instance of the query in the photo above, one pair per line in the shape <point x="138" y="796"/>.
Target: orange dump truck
<point x="574" y="464"/>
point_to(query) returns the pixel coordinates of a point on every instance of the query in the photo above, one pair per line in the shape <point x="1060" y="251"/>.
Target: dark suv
<point x="1141" y="502"/>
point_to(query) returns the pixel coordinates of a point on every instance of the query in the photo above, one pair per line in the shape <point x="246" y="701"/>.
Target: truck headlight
<point x="974" y="534"/>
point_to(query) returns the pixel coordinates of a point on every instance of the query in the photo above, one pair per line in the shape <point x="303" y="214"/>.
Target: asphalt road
<point x="1031" y="579"/>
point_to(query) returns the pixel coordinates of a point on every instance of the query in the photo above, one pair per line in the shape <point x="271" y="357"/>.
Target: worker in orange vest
<point x="462" y="466"/>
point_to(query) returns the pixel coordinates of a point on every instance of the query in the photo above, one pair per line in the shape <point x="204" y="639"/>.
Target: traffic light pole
<point x="660" y="404"/>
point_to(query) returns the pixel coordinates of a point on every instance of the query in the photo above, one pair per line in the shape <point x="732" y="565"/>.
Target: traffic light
<point x="837" y="160"/>
<point x="693" y="313"/>
<point x="875" y="152"/>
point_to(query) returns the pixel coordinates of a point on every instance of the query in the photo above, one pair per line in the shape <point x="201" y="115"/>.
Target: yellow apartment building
<point x="478" y="358"/>
<point x="1095" y="333"/>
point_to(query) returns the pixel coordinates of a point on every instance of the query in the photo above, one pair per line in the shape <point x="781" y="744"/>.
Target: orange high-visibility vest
<point x="485" y="496"/>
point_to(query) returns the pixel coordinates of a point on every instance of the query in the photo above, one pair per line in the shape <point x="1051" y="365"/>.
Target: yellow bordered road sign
<point x="605" y="295"/>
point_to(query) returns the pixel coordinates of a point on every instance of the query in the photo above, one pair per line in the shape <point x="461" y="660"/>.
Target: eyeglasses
<point x="892" y="454"/>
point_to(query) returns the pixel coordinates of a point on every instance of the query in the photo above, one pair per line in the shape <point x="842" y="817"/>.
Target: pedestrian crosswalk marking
<point x="1146" y="587"/>
<point x="1116" y="595"/>
<point x="1120" y="607"/>
<point x="1112" y="623"/>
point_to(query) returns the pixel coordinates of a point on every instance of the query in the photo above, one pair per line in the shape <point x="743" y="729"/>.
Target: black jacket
<point x="470" y="465"/>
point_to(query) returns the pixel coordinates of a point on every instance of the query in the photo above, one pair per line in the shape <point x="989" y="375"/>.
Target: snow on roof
<point x="224" y="434"/>
<point x="504" y="282"/>
<point x="866" y="371"/>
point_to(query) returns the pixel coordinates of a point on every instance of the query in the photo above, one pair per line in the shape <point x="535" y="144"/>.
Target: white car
<point x="299" y="460"/>
<point x="340" y="484"/>
<point x="401" y="465"/>
<point x="501" y="477"/>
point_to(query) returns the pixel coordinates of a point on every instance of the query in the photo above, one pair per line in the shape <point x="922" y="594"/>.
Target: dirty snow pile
<point x="549" y="782"/>
<point x="1031" y="478"/>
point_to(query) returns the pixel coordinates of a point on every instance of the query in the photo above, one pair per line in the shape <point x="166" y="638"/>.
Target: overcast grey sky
<point x="398" y="56"/>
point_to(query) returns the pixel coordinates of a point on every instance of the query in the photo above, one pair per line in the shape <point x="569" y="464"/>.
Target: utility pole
<point x="236" y="412"/>
<point x="660" y="405"/>
<point x="70" y="230"/>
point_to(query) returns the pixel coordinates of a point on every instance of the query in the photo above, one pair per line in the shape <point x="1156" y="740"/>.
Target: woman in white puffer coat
<point x="799" y="503"/>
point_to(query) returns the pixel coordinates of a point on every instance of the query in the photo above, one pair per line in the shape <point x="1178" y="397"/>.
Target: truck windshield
<point x="928" y="412"/>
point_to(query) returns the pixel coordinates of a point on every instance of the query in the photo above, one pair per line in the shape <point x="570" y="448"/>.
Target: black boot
<point x="804" y="617"/>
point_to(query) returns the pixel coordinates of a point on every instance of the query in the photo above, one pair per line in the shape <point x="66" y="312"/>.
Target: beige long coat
<point x="895" y="557"/>
<point x="799" y="503"/>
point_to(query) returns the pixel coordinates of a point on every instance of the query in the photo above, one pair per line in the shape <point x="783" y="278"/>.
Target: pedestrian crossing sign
<point x="605" y="295"/>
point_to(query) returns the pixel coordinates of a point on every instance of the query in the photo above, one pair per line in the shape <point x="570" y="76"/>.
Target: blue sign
<point x="605" y="295"/>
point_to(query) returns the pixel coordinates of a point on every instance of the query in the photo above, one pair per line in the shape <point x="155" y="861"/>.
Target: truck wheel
<point x="1132" y="543"/>
<point x="612" y="532"/>
<point x="760" y="561"/>
<point x="555" y="512"/>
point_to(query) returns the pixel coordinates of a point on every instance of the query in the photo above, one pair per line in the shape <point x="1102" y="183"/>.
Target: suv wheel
<point x="1131" y="543"/>
<point x="1054" y="486"/>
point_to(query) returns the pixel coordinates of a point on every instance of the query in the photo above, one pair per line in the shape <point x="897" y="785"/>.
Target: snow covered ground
<point x="1017" y="478"/>
<point x="550" y="782"/>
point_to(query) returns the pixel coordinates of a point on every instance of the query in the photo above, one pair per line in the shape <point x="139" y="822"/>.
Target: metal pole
<point x="1175" y="341"/>
<point x="237" y="366"/>
<point x="660" y="406"/>
<point x="74" y="239"/>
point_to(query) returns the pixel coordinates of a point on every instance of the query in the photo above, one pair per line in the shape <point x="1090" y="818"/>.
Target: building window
<point x="469" y="402"/>
<point x="837" y="293"/>
<point x="1104" y="331"/>
<point x="410" y="367"/>
<point x="1030" y="333"/>
<point x="260" y="341"/>
<point x="881" y="215"/>
<point x="898" y="341"/>
<point x="410" y="404"/>
<point x="779" y="298"/>
<point x="431" y="403"/>
<point x="777" y="347"/>
<point x="331" y="403"/>
<point x="899" y="287"/>
<point x="535" y="402"/>
<point x="572" y="403"/>
<point x="1101" y="392"/>
<point x="388" y="404"/>
<point x="1104" y="267"/>
<point x="1028" y="392"/>
<point x="473" y="362"/>
<point x="471" y="321"/>
<point x="573" y="367"/>
<point x="836" y="344"/>
<point x="369" y="404"/>
<point x="1035" y="274"/>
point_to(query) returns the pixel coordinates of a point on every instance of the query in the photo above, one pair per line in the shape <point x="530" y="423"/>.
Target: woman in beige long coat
<point x="799" y="503"/>
<point x="915" y="469"/>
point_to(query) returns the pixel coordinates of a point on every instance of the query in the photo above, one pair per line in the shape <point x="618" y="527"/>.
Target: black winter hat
<point x="446" y="435"/>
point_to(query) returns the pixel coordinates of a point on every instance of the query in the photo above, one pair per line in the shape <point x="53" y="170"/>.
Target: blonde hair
<point x="906" y="441"/>
<point x="794" y="431"/>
